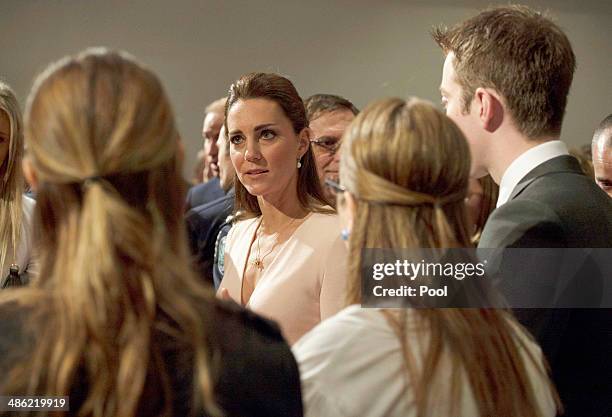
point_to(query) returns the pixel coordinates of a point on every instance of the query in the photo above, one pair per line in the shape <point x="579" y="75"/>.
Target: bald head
<point x="602" y="155"/>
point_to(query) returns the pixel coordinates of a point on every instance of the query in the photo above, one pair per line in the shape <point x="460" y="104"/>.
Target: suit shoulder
<point x="578" y="204"/>
<point x="212" y="208"/>
<point x="525" y="209"/>
<point x="523" y="223"/>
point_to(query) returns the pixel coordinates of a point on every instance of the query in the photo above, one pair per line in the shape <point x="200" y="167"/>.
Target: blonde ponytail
<point x="407" y="167"/>
<point x="115" y="283"/>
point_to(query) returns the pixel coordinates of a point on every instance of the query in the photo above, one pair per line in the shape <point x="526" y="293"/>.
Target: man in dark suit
<point x="203" y="224"/>
<point x="210" y="189"/>
<point x="205" y="221"/>
<point x="505" y="83"/>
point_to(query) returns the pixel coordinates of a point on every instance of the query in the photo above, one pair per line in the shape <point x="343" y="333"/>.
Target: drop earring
<point x="344" y="234"/>
<point x="299" y="163"/>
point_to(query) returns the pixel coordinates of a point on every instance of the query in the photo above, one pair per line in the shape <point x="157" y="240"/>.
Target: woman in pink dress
<point x="284" y="258"/>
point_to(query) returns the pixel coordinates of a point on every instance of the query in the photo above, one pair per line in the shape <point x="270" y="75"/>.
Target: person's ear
<point x="346" y="205"/>
<point x="29" y="173"/>
<point x="490" y="108"/>
<point x="304" y="141"/>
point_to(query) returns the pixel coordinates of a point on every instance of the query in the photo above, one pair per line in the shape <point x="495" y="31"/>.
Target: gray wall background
<point x="359" y="49"/>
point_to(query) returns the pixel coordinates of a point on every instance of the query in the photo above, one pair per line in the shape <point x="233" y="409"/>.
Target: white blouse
<point x="24" y="256"/>
<point x="352" y="365"/>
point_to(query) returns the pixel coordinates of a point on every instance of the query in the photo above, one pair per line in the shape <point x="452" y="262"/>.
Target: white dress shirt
<point x="522" y="165"/>
<point x="352" y="365"/>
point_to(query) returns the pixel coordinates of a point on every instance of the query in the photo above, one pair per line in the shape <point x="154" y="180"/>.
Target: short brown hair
<point x="280" y="90"/>
<point x="318" y="104"/>
<point x="520" y="53"/>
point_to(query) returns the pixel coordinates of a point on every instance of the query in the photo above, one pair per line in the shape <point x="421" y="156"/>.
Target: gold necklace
<point x="258" y="261"/>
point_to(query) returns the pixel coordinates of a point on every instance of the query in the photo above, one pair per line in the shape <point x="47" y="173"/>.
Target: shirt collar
<point x="527" y="161"/>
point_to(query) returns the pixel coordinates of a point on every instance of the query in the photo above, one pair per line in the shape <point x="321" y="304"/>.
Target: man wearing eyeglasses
<point x="329" y="116"/>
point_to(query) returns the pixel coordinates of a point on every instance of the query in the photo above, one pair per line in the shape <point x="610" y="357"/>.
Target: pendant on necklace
<point x="258" y="263"/>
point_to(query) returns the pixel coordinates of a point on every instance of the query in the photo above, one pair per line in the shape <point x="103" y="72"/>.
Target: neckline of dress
<point x="257" y="223"/>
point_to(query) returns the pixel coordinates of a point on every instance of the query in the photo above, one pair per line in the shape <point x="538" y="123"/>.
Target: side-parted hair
<point x="280" y="90"/>
<point x="114" y="280"/>
<point x="521" y="54"/>
<point x="318" y="104"/>
<point x="407" y="165"/>
<point x="11" y="179"/>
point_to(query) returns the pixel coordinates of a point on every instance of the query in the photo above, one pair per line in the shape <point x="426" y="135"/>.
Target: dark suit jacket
<point x="203" y="194"/>
<point x="557" y="206"/>
<point x="203" y="224"/>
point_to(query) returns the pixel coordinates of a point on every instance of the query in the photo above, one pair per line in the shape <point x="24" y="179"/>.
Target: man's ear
<point x="490" y="108"/>
<point x="29" y="173"/>
<point x="304" y="138"/>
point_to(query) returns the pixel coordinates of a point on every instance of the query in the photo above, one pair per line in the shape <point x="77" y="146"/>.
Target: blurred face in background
<point x="5" y="138"/>
<point x="198" y="170"/>
<point x="602" y="165"/>
<point x="327" y="130"/>
<point x="473" y="201"/>
<point x="227" y="173"/>
<point x="210" y="133"/>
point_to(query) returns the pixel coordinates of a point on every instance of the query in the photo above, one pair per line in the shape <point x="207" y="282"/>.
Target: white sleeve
<point x="319" y="354"/>
<point x="317" y="403"/>
<point x="28" y="257"/>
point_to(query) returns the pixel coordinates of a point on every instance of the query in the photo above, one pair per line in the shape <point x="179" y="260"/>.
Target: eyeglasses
<point x="330" y="145"/>
<point x="335" y="187"/>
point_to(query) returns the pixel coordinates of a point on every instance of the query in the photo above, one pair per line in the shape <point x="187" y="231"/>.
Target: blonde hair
<point x="102" y="141"/>
<point x="11" y="179"/>
<point x="407" y="166"/>
<point x="217" y="106"/>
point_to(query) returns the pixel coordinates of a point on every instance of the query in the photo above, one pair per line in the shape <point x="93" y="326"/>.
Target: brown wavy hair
<point x="280" y="90"/>
<point x="407" y="166"/>
<point x="115" y="281"/>
<point x="490" y="193"/>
